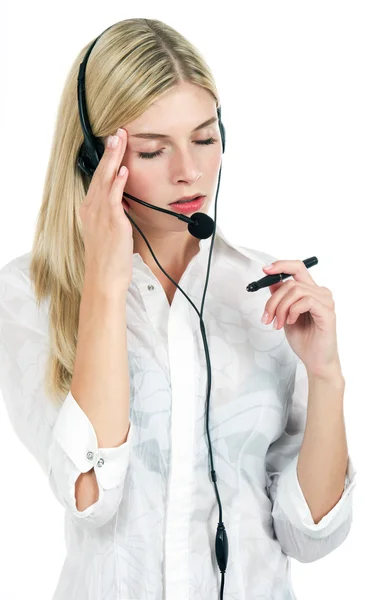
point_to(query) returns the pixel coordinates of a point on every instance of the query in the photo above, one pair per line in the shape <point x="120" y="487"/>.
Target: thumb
<point x="274" y="286"/>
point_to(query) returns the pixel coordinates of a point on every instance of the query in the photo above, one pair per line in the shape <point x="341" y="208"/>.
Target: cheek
<point x="139" y="177"/>
<point x="140" y="182"/>
<point x="212" y="163"/>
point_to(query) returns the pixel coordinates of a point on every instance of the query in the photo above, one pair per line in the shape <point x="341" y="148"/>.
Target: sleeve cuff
<point x="292" y="502"/>
<point x="75" y="434"/>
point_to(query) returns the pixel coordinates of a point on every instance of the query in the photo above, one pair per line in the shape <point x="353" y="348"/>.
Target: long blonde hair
<point x="131" y="65"/>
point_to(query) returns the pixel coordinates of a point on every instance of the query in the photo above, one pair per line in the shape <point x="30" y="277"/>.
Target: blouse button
<point x="150" y="287"/>
<point x="100" y="462"/>
<point x="90" y="455"/>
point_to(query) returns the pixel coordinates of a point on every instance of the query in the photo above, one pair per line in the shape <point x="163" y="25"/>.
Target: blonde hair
<point x="131" y="65"/>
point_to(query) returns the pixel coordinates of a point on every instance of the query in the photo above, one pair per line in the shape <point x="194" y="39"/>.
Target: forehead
<point x="186" y="107"/>
<point x="152" y="135"/>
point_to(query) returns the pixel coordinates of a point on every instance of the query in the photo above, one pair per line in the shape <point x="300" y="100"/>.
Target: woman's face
<point x="183" y="165"/>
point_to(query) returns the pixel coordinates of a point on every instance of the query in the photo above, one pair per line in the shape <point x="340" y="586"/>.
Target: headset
<point x="200" y="226"/>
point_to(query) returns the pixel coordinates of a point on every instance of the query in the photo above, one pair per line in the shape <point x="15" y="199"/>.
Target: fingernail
<point x="113" y="141"/>
<point x="268" y="267"/>
<point x="264" y="318"/>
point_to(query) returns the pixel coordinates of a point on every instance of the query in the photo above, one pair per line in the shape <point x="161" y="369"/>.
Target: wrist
<point x="93" y="288"/>
<point x="98" y="301"/>
<point x="332" y="376"/>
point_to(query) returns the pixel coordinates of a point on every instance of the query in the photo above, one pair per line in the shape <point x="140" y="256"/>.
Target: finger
<point x="290" y="290"/>
<point x="117" y="191"/>
<point x="276" y="298"/>
<point x="282" y="309"/>
<point x="110" y="162"/>
<point x="296" y="268"/>
<point x="279" y="305"/>
<point x="322" y="315"/>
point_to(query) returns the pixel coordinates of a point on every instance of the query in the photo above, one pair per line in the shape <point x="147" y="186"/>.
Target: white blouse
<point x="151" y="534"/>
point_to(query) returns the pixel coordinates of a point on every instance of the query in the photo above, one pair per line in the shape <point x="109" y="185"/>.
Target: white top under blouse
<point x="151" y="534"/>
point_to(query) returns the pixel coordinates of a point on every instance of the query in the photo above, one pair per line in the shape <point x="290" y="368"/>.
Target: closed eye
<point x="159" y="152"/>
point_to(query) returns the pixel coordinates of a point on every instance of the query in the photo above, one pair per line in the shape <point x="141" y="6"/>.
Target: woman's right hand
<point x="107" y="232"/>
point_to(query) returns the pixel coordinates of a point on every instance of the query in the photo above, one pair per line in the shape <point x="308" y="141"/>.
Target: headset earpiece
<point x="222" y="130"/>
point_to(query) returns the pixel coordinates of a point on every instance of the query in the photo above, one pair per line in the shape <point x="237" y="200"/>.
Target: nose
<point x="185" y="166"/>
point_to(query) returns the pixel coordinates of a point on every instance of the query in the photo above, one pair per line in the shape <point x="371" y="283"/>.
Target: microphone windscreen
<point x="203" y="227"/>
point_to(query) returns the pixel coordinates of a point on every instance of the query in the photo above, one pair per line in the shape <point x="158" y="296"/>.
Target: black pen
<point x="271" y="279"/>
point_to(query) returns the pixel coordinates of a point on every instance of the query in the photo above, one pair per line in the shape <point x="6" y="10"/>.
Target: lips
<point x="190" y="206"/>
<point x="193" y="202"/>
<point x="189" y="200"/>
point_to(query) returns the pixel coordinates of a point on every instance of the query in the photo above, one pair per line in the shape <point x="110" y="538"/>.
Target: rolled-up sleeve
<point x="74" y="450"/>
<point x="299" y="536"/>
<point x="61" y="438"/>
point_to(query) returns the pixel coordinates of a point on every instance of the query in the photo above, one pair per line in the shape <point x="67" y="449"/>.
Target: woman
<point x="103" y="370"/>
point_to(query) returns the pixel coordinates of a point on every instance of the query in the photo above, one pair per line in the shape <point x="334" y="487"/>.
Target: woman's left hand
<point x="307" y="312"/>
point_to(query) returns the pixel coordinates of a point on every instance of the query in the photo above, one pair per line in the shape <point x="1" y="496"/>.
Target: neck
<point x="173" y="250"/>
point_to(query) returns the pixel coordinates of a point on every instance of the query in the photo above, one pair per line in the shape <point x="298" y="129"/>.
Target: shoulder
<point x="15" y="280"/>
<point x="245" y="253"/>
<point x="17" y="270"/>
<point x="17" y="297"/>
<point x="256" y="255"/>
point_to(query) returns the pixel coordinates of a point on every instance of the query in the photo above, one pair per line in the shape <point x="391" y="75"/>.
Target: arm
<point x="323" y="457"/>
<point x="61" y="438"/>
<point x="100" y="383"/>
<point x="299" y="536"/>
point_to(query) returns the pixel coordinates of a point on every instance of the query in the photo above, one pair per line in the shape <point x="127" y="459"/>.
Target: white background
<point x="306" y="102"/>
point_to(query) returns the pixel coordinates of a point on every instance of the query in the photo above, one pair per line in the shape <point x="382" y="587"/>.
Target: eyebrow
<point x="150" y="136"/>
